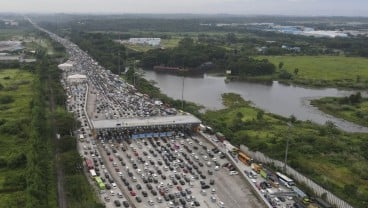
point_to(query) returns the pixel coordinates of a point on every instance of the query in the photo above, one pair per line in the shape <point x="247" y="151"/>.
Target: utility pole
<point x="287" y="145"/>
<point x="119" y="55"/>
<point x="134" y="73"/>
<point x="182" y="95"/>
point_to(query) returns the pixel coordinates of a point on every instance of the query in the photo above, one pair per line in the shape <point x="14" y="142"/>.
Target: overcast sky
<point x="245" y="7"/>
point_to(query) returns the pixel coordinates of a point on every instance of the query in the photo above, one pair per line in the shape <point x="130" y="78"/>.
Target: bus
<point x="102" y="186"/>
<point x="288" y="182"/>
<point x="98" y="179"/>
<point x="245" y="158"/>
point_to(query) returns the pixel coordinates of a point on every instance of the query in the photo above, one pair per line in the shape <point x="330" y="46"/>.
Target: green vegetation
<point x="334" y="159"/>
<point x="15" y="116"/>
<point x="324" y="71"/>
<point x="353" y="108"/>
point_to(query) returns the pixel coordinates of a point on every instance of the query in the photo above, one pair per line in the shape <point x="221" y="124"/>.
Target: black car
<point x="145" y="194"/>
<point x="117" y="203"/>
<point x="205" y="186"/>
<point x="138" y="186"/>
<point x="197" y="204"/>
<point x="153" y="192"/>
<point x="212" y="182"/>
<point x="126" y="204"/>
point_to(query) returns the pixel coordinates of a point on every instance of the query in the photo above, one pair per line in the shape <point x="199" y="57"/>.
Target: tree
<point x="296" y="71"/>
<point x="260" y="114"/>
<point x="239" y="115"/>
<point x="281" y="64"/>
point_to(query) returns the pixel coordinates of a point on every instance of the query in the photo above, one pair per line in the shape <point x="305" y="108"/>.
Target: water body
<point x="276" y="98"/>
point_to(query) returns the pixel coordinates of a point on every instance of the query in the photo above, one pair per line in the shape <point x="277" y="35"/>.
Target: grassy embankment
<point x="334" y="159"/>
<point x="357" y="113"/>
<point x="325" y="71"/>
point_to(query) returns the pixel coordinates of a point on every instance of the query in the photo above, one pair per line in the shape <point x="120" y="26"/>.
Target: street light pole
<point x="182" y="95"/>
<point x="287" y="146"/>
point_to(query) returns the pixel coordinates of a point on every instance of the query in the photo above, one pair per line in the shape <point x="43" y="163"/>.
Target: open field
<point x="329" y="70"/>
<point x="332" y="158"/>
<point x="13" y="146"/>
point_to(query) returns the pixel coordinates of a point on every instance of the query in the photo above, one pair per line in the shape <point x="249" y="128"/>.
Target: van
<point x="112" y="193"/>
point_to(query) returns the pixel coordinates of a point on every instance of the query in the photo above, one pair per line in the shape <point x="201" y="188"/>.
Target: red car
<point x="133" y="193"/>
<point x="110" y="158"/>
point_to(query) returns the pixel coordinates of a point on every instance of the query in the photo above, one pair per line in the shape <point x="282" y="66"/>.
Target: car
<point x="145" y="194"/>
<point x="138" y="186"/>
<point x="233" y="173"/>
<point x="120" y="195"/>
<point x="154" y="193"/>
<point x="125" y="204"/>
<point x="197" y="204"/>
<point x="151" y="203"/>
<point x="166" y="197"/>
<point x="205" y="186"/>
<point x="212" y="182"/>
<point x="117" y="203"/>
<point x="139" y="200"/>
<point x="133" y="193"/>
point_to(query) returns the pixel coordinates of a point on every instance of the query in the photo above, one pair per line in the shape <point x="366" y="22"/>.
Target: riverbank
<point x="322" y="153"/>
<point x="356" y="113"/>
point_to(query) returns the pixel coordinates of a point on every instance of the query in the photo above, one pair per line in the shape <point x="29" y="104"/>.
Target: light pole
<point x="287" y="145"/>
<point x="182" y="95"/>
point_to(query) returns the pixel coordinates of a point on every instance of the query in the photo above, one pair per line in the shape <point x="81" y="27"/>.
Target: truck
<point x="89" y="164"/>
<point x="256" y="167"/>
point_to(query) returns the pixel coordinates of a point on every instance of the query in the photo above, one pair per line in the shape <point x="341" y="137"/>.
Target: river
<point x="277" y="98"/>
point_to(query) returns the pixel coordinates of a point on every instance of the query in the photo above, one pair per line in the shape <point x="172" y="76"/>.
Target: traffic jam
<point x="169" y="171"/>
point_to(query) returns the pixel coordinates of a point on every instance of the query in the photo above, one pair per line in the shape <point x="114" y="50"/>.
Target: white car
<point x="233" y="173"/>
<point x="103" y="166"/>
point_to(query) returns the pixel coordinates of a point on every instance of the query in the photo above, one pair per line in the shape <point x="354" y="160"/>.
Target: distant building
<point x="290" y="48"/>
<point x="145" y="41"/>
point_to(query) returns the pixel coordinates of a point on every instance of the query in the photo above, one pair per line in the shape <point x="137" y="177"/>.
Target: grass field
<point x="332" y="158"/>
<point x="329" y="70"/>
<point x="165" y="43"/>
<point x="18" y="84"/>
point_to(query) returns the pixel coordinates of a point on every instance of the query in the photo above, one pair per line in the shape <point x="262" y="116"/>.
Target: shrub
<point x="6" y="99"/>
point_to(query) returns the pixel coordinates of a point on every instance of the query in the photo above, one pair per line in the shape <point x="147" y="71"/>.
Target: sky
<point x="243" y="7"/>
